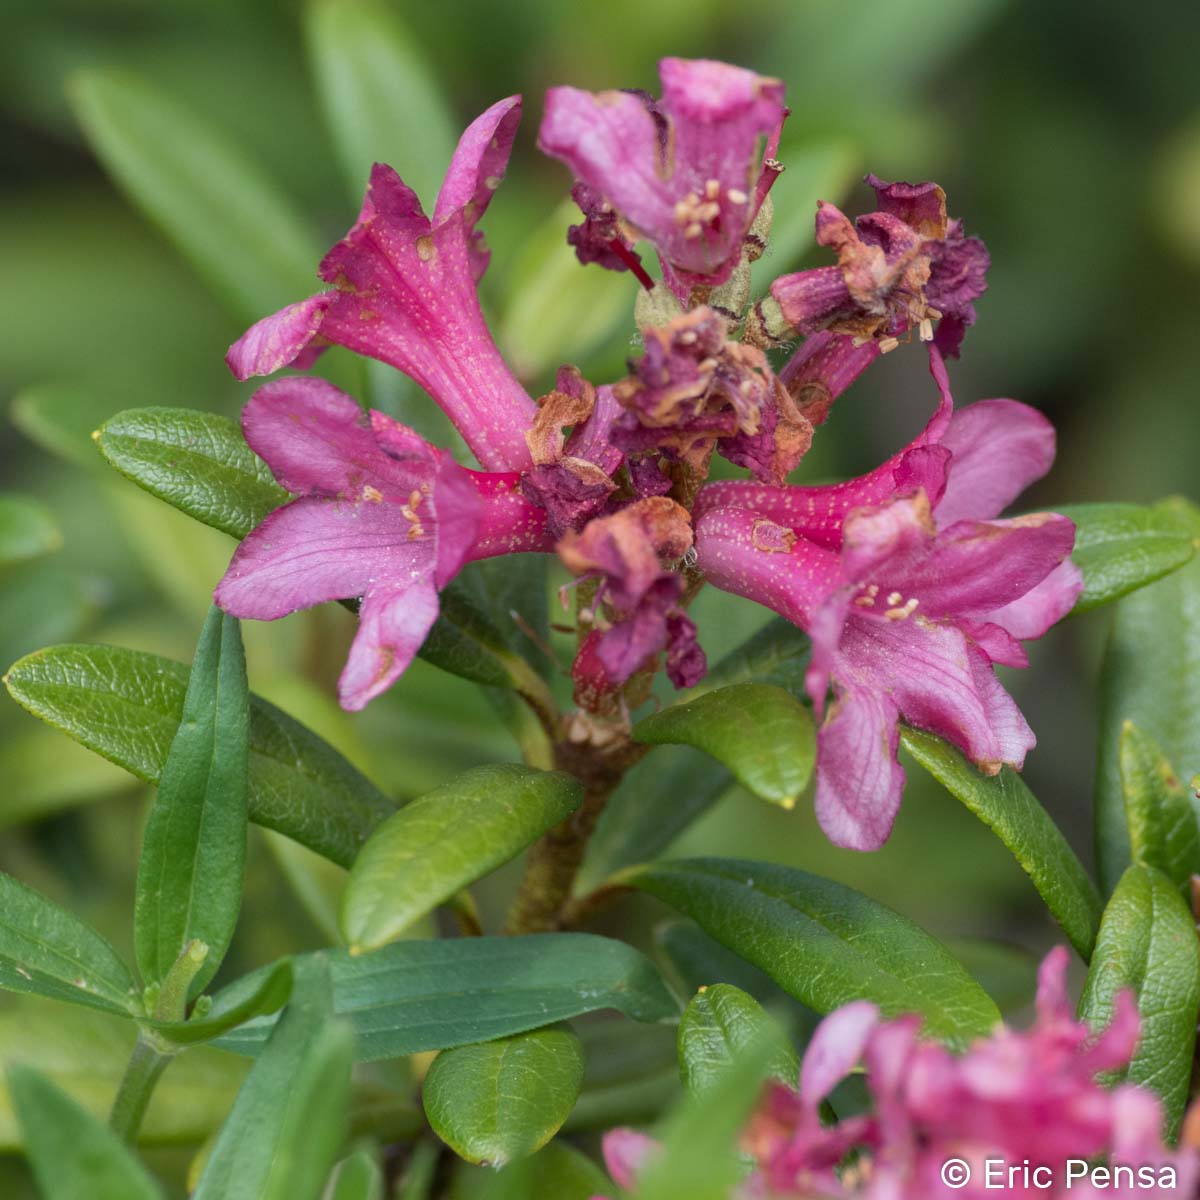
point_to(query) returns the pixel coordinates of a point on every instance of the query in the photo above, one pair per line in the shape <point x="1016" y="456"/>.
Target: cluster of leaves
<point x="760" y="947"/>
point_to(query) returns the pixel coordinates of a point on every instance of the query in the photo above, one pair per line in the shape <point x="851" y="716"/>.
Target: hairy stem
<point x="554" y="860"/>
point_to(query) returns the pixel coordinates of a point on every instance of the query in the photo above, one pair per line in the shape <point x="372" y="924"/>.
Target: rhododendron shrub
<point x="555" y="546"/>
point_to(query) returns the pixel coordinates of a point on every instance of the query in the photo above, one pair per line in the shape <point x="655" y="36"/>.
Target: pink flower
<point x="694" y="390"/>
<point x="1024" y="1099"/>
<point x="910" y="594"/>
<point x="686" y="172"/>
<point x="380" y="515"/>
<point x="636" y="553"/>
<point x="900" y="268"/>
<point x="404" y="292"/>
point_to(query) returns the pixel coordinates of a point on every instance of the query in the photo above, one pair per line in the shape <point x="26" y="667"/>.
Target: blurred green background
<point x="1067" y="135"/>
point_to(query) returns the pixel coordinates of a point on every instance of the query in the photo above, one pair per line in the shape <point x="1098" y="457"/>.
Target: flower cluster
<point x="908" y="583"/>
<point x="1027" y="1101"/>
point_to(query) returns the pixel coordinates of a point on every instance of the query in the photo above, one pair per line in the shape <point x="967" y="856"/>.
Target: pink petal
<point x="479" y="161"/>
<point x="625" y="1154"/>
<point x="411" y="302"/>
<point x="1116" y="1045"/>
<point x="1042" y="606"/>
<point x="318" y="549"/>
<point x="315" y="438"/>
<point x="752" y="556"/>
<point x="392" y="623"/>
<point x="282" y="339"/>
<point x="976" y="567"/>
<point x="504" y="521"/>
<point x="1053" y="1000"/>
<point x="859" y="781"/>
<point x="1000" y="447"/>
<point x="824" y="366"/>
<point x="835" y="1049"/>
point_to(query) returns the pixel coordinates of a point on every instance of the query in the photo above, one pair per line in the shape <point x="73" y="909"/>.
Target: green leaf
<point x="557" y="310"/>
<point x="72" y="1154"/>
<point x="206" y="194"/>
<point x="655" y="802"/>
<point x="778" y="653"/>
<point x="381" y="101"/>
<point x="631" y="1074"/>
<point x="720" y="1024"/>
<point x="1007" y="807"/>
<point x="358" y="1178"/>
<point x="465" y="642"/>
<point x="1148" y="943"/>
<point x="85" y="1052"/>
<point x="42" y="603"/>
<point x="46" y="950"/>
<point x="126" y="706"/>
<point x="434" y="995"/>
<point x="699" y="1157"/>
<point x="197" y="462"/>
<point x="283" y="1133"/>
<point x="1150" y="676"/>
<point x="438" y="844"/>
<point x="189" y="885"/>
<point x="1122" y="547"/>
<point x="822" y="942"/>
<point x="1162" y="822"/>
<point x="61" y="418"/>
<point x="499" y="1101"/>
<point x="763" y="734"/>
<point x="27" y="529"/>
<point x="557" y="1172"/>
<point x="269" y="994"/>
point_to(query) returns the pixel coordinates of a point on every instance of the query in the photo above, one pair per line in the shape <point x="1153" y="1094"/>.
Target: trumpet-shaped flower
<point x="404" y="291"/>
<point x="686" y="172"/>
<point x="634" y="553"/>
<point x="694" y="390"/>
<point x="1018" y="1098"/>
<point x="380" y="515"/>
<point x="900" y="268"/>
<point x="910" y="593"/>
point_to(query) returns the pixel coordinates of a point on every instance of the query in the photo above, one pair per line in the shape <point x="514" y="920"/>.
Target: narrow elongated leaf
<point x="778" y="653"/>
<point x="283" y="1133"/>
<point x="358" y="1178"/>
<point x="1007" y="807"/>
<point x="1148" y="943"/>
<point x="126" y="706"/>
<point x="27" y="529"/>
<point x="1122" y="547"/>
<point x="381" y="101"/>
<point x="198" y="462"/>
<point x="72" y="1154"/>
<point x="822" y="942"/>
<point x="654" y="804"/>
<point x="1162" y="822"/>
<point x="46" y="950"/>
<point x="433" y="995"/>
<point x="438" y="844"/>
<point x="1150" y="676"/>
<point x="699" y="1157"/>
<point x="762" y="733"/>
<point x="502" y="1100"/>
<point x="203" y="191"/>
<point x="189" y="883"/>
<point x="86" y="1052"/>
<point x="721" y="1023"/>
<point x="269" y="995"/>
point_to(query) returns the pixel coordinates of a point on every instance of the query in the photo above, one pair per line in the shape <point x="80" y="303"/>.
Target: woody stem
<point x="555" y="859"/>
